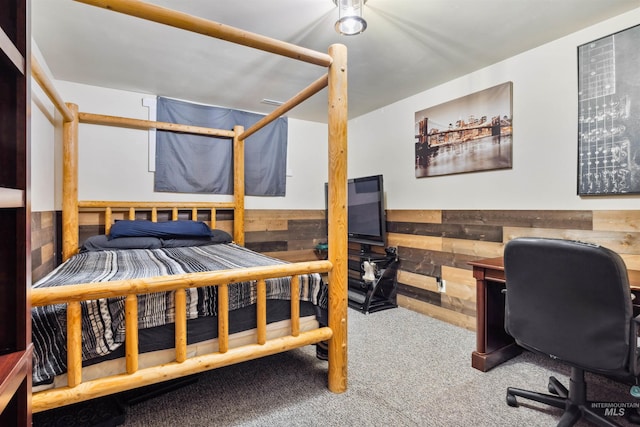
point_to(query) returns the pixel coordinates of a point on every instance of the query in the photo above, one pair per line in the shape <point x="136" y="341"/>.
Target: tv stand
<point x="375" y="287"/>
<point x="365" y="249"/>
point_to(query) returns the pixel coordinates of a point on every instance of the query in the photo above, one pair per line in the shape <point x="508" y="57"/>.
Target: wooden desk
<point x="493" y="344"/>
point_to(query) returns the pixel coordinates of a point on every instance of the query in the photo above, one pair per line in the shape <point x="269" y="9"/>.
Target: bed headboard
<point x="71" y="206"/>
<point x="97" y="217"/>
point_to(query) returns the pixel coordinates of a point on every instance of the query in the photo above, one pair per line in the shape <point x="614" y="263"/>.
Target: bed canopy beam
<point x="101" y="119"/>
<point x="214" y="29"/>
<point x="50" y="90"/>
<point x="299" y="98"/>
<point x="97" y="204"/>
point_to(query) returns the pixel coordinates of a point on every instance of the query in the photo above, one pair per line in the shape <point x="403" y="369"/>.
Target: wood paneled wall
<point x="286" y="234"/>
<point x="43" y="244"/>
<point x="440" y="243"/>
<point x="432" y="244"/>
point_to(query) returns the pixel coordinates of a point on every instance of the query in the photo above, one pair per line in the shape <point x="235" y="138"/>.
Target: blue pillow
<point x="167" y="229"/>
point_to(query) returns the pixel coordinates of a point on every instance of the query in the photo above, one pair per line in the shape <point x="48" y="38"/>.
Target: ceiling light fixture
<point x="350" y="21"/>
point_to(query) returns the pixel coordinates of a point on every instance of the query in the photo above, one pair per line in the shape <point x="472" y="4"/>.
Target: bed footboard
<point x="49" y="399"/>
<point x="72" y="295"/>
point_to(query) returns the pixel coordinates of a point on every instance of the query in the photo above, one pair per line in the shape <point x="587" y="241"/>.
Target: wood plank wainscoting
<point x="439" y="244"/>
<point x="432" y="244"/>
<point x="286" y="234"/>
<point x="44" y="244"/>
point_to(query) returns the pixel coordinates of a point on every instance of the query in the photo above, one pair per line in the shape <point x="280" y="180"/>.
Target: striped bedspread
<point x="103" y="320"/>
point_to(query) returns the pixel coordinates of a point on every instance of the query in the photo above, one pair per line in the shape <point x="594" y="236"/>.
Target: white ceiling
<point x="408" y="47"/>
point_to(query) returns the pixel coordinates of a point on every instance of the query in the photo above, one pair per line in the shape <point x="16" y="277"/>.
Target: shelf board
<point x="11" y="198"/>
<point x="10" y="50"/>
<point x="14" y="367"/>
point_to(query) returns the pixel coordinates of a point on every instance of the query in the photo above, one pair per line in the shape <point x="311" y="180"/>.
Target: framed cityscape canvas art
<point x="468" y="134"/>
<point x="608" y="109"/>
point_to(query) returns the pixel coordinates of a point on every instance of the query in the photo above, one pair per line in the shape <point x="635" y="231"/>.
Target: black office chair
<point x="571" y="301"/>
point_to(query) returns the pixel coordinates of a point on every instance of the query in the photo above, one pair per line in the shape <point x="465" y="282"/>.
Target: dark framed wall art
<point x="468" y="134"/>
<point x="608" y="111"/>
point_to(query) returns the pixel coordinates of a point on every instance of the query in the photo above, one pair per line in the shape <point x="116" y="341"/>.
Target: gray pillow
<point x="217" y="236"/>
<point x="102" y="242"/>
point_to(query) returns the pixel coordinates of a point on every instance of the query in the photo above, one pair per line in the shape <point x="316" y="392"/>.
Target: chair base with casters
<point x="573" y="401"/>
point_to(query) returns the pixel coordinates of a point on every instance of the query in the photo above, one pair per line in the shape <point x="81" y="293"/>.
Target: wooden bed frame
<point x="336" y="265"/>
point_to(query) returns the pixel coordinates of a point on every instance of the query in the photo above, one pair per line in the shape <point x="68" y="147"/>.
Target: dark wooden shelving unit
<point x="15" y="215"/>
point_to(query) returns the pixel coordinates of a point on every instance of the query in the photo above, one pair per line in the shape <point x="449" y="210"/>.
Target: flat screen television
<point x="367" y="223"/>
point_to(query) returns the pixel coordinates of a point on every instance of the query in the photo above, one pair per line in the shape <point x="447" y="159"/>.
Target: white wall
<point x="545" y="143"/>
<point x="113" y="163"/>
<point x="44" y="156"/>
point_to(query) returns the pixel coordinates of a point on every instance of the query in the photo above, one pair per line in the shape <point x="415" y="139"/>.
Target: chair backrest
<point x="570" y="300"/>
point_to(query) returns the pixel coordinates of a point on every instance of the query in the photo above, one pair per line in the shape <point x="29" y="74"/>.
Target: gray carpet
<point x="405" y="369"/>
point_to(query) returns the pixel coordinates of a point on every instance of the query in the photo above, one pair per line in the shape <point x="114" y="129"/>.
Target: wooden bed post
<point x="337" y="223"/>
<point x="238" y="186"/>
<point x="70" y="185"/>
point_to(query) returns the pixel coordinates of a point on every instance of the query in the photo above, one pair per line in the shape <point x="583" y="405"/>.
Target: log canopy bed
<point x="68" y="295"/>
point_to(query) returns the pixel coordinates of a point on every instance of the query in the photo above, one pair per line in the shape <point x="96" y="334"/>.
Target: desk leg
<point x="493" y="344"/>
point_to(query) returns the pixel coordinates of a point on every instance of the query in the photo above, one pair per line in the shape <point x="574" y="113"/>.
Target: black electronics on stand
<point x="373" y="282"/>
<point x="372" y="265"/>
